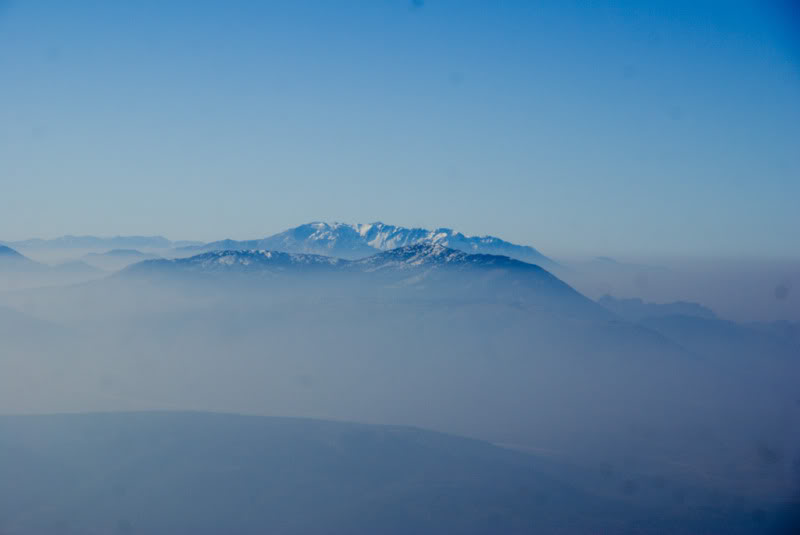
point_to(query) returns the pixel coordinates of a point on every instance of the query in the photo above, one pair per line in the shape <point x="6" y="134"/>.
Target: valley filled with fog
<point x="664" y="408"/>
<point x="470" y="267"/>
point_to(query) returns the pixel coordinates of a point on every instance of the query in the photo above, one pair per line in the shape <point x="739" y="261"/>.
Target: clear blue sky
<point x="590" y="126"/>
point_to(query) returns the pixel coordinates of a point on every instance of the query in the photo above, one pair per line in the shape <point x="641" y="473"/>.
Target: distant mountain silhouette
<point x="198" y="473"/>
<point x="635" y="309"/>
<point x="13" y="261"/>
<point x="95" y="242"/>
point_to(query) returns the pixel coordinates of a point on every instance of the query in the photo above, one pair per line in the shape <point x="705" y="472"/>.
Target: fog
<point x="744" y="288"/>
<point x="610" y="394"/>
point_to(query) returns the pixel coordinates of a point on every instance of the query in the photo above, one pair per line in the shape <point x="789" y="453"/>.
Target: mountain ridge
<point x="359" y="240"/>
<point x="13" y="260"/>
<point x="69" y="241"/>
<point x="402" y="258"/>
<point x="432" y="271"/>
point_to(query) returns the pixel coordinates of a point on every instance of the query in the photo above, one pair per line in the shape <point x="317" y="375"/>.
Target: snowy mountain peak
<point x="421" y="254"/>
<point x="237" y="261"/>
<point x="438" y="255"/>
<point x="361" y="240"/>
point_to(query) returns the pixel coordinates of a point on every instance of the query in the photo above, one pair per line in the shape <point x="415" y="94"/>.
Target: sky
<point x="598" y="127"/>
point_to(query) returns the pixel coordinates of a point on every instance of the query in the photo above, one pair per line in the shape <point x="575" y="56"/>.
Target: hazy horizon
<point x="580" y="314"/>
<point x="602" y="129"/>
<point x="558" y="252"/>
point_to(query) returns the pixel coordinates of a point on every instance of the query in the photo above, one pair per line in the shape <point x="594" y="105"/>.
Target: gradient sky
<point x="574" y="127"/>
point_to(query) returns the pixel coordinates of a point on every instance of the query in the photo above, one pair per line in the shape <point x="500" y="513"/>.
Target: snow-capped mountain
<point x="418" y="256"/>
<point x="253" y="261"/>
<point x="354" y="241"/>
<point x="384" y="237"/>
<point x="437" y="255"/>
<point x="431" y="268"/>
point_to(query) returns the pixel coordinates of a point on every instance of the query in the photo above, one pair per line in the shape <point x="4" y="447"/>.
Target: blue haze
<point x="574" y="127"/>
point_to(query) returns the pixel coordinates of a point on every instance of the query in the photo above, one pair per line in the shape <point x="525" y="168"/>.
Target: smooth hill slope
<point x="13" y="261"/>
<point x="195" y="473"/>
<point x="18" y="271"/>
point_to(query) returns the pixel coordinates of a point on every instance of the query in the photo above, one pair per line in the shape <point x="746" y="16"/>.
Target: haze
<point x="399" y="267"/>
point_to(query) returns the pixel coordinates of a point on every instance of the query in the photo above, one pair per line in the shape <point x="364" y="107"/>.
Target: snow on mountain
<point x="408" y="257"/>
<point x="337" y="239"/>
<point x="354" y="241"/>
<point x="435" y="254"/>
<point x="419" y="260"/>
<point x="383" y="237"/>
<point x="237" y="261"/>
<point x="437" y="271"/>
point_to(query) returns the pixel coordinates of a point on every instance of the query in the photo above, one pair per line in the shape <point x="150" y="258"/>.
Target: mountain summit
<point x="354" y="241"/>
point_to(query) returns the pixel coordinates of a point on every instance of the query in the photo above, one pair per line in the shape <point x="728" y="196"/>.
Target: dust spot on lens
<point x="767" y="454"/>
<point x="629" y="72"/>
<point x="782" y="292"/>
<point x="629" y="487"/>
<point x="455" y="78"/>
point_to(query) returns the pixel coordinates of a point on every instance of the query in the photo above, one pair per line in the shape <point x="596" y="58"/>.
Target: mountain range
<point x="423" y="267"/>
<point x="95" y="242"/>
<point x="201" y="473"/>
<point x="479" y="345"/>
<point x="635" y="309"/>
<point x="340" y="240"/>
<point x="11" y="260"/>
<point x="353" y="241"/>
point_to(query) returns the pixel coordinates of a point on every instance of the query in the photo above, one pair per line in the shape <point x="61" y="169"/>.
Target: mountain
<point x="202" y="473"/>
<point x="117" y="259"/>
<point x="405" y="257"/>
<point x="698" y="329"/>
<point x="425" y="266"/>
<point x="635" y="309"/>
<point x="740" y="342"/>
<point x="95" y="242"/>
<point x="12" y="261"/>
<point x="19" y="271"/>
<point x="353" y="241"/>
<point x="436" y="255"/>
<point x="123" y="253"/>
<point x="245" y="261"/>
<point x="476" y="345"/>
<point x="76" y="266"/>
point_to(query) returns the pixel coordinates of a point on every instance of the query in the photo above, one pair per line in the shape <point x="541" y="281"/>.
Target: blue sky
<point x="595" y="127"/>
